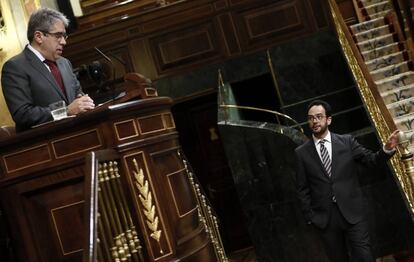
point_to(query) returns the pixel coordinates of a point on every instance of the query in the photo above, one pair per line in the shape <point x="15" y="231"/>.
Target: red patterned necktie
<point x="56" y="74"/>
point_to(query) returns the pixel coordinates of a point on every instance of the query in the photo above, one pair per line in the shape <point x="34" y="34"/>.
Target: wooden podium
<point x="42" y="180"/>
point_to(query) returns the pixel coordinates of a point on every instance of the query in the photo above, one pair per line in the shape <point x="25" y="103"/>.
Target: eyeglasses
<point x="57" y="35"/>
<point x="317" y="118"/>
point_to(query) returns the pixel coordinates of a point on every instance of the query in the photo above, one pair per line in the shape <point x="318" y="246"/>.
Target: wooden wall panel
<point x="319" y="10"/>
<point x="142" y="58"/>
<point x="182" y="18"/>
<point x="348" y="11"/>
<point x="185" y="35"/>
<point x="228" y="34"/>
<point x="49" y="212"/>
<point x="185" y="47"/>
<point x="272" y="23"/>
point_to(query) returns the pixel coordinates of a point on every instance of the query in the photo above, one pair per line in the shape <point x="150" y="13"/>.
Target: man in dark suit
<point x="40" y="76"/>
<point x="328" y="186"/>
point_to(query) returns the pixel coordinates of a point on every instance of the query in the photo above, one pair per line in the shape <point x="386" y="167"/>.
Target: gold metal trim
<point x="165" y="122"/>
<point x="372" y="107"/>
<point x="274" y="77"/>
<point x="145" y="195"/>
<point x="56" y="228"/>
<point x="127" y="137"/>
<point x="80" y="151"/>
<point x="205" y="214"/>
<point x="131" y="176"/>
<point x="264" y="110"/>
<point x="25" y="150"/>
<point x="150" y="91"/>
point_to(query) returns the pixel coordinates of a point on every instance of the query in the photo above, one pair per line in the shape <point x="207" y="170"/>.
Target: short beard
<point x="322" y="131"/>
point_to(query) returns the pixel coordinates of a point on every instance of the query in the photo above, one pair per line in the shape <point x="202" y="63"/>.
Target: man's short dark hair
<point x="325" y="105"/>
<point x="42" y="20"/>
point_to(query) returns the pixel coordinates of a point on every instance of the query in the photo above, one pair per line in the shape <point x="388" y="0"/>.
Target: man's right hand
<point x="81" y="104"/>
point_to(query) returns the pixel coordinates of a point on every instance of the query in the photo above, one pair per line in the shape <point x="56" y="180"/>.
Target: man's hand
<point x="80" y="105"/>
<point x="392" y="141"/>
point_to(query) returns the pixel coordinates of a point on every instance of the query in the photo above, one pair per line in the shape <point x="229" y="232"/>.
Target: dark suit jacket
<point x="315" y="189"/>
<point x="29" y="87"/>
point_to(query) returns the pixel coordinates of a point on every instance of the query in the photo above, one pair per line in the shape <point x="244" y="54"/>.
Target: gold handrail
<point x="206" y="214"/>
<point x="264" y="110"/>
<point x="376" y="108"/>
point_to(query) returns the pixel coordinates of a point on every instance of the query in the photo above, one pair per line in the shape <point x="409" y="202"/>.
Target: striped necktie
<point x="326" y="160"/>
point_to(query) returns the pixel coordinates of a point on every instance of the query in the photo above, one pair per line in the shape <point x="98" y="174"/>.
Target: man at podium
<point x="39" y="76"/>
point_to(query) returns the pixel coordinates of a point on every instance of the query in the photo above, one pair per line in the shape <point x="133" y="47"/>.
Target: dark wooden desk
<point x="42" y="182"/>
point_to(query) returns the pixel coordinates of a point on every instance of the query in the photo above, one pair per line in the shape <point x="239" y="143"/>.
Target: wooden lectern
<point x="43" y="173"/>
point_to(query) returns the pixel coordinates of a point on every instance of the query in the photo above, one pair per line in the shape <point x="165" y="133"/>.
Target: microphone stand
<point x="113" y="71"/>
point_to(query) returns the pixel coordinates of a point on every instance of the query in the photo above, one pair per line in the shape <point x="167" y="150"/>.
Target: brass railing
<point x="266" y="111"/>
<point x="222" y="101"/>
<point x="376" y="108"/>
<point x="117" y="236"/>
<point x="206" y="215"/>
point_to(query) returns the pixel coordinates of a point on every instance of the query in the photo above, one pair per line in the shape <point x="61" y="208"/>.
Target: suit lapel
<point x="41" y="68"/>
<point x="335" y="149"/>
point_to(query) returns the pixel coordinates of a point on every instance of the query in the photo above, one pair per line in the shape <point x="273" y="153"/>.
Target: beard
<point x="320" y="130"/>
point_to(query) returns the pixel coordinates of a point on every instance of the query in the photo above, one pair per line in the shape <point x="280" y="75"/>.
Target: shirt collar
<point x="37" y="53"/>
<point x="327" y="138"/>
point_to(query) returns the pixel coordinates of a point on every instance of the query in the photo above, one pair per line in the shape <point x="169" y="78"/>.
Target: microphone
<point x="117" y="58"/>
<point x="113" y="70"/>
<point x="79" y="70"/>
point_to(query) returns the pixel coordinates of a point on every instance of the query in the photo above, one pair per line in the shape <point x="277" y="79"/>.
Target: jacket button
<point x="334" y="199"/>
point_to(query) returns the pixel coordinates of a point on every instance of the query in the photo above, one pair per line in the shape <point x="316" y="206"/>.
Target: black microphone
<point x="113" y="70"/>
<point x="80" y="70"/>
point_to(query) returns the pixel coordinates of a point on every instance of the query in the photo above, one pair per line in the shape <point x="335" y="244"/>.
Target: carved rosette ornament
<point x="145" y="197"/>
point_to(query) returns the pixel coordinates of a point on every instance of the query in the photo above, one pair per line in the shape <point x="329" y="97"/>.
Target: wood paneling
<point x="36" y="155"/>
<point x="319" y="13"/>
<point x="185" y="35"/>
<point x="184" y="47"/>
<point x="77" y="144"/>
<point x="347" y="10"/>
<point x="258" y="27"/>
<point x="46" y="216"/>
<point x="228" y="34"/>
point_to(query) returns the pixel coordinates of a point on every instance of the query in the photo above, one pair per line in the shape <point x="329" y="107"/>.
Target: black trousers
<point x="339" y="234"/>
